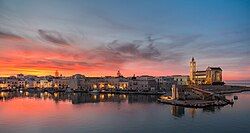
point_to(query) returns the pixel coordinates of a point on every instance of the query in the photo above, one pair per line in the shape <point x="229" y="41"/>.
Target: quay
<point x="195" y="103"/>
<point x="207" y="90"/>
<point x="193" y="96"/>
<point x="52" y="90"/>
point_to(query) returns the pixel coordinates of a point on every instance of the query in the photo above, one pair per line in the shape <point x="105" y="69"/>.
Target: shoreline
<point x="195" y="103"/>
<point x="226" y="89"/>
<point x="217" y="90"/>
<point x="89" y="92"/>
<point x="233" y="91"/>
<point x="221" y="90"/>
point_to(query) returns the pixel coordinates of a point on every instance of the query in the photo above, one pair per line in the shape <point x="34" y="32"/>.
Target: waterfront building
<point x="77" y="82"/>
<point x="21" y="83"/>
<point x="3" y="83"/>
<point x="11" y="82"/>
<point x="212" y="75"/>
<point x="136" y="84"/>
<point x="44" y="83"/>
<point x="181" y="79"/>
<point x="143" y="83"/>
<point x="120" y="83"/>
<point x="31" y="83"/>
<point x="107" y="83"/>
<point x="123" y="84"/>
<point x="60" y="83"/>
<point x="164" y="82"/>
<point x="93" y="82"/>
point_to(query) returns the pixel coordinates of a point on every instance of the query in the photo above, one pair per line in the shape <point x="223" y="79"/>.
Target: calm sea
<point x="109" y="113"/>
<point x="238" y="82"/>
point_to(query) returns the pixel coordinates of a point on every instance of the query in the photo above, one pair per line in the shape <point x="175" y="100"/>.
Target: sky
<point x="142" y="37"/>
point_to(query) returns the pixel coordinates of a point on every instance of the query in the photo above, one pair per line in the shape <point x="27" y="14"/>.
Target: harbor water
<point x="23" y="112"/>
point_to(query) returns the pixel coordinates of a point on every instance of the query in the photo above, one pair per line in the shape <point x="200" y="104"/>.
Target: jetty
<point x="195" y="103"/>
<point x="200" y="99"/>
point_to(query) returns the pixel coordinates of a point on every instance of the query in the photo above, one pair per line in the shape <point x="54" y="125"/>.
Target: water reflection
<point x="178" y="111"/>
<point x="78" y="98"/>
<point x="45" y="112"/>
<point x="192" y="112"/>
<point x="212" y="109"/>
<point x="81" y="98"/>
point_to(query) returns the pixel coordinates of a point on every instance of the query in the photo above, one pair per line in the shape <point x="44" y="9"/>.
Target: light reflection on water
<point x="78" y="112"/>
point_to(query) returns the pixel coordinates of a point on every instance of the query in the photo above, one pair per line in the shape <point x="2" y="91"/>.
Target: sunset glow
<point x="38" y="39"/>
<point x="129" y="66"/>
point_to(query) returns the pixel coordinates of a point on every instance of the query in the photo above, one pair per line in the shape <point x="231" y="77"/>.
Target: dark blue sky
<point x="166" y="33"/>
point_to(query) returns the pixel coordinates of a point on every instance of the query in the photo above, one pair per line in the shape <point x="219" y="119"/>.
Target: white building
<point x="61" y="83"/>
<point x="12" y="82"/>
<point x="107" y="83"/>
<point x="44" y="83"/>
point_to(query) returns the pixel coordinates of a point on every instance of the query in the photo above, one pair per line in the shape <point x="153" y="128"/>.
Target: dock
<point x="195" y="103"/>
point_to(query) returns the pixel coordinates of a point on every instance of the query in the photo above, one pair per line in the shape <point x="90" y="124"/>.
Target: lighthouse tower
<point x="192" y="70"/>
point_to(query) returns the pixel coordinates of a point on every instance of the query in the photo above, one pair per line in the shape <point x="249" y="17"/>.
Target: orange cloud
<point x="28" y="56"/>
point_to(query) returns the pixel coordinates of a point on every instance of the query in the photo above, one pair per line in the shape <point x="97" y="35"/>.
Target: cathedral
<point x="210" y="76"/>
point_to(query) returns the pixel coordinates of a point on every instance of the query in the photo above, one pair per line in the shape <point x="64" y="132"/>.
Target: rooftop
<point x="214" y="68"/>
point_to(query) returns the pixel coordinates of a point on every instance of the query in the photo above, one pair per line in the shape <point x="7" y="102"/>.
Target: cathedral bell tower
<point x="192" y="70"/>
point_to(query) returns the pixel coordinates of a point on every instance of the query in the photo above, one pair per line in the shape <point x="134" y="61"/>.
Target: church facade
<point x="212" y="75"/>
